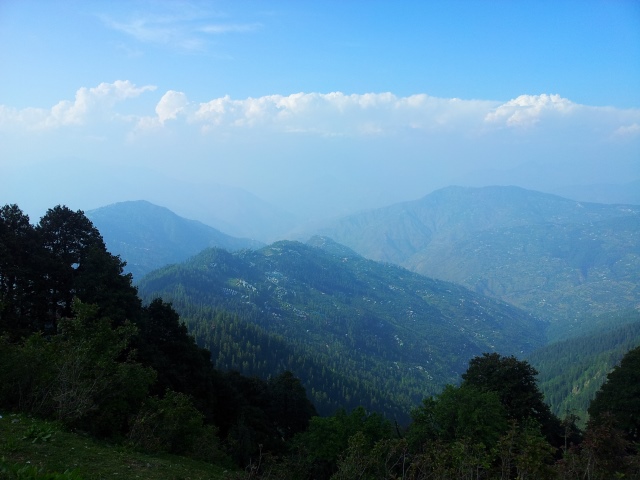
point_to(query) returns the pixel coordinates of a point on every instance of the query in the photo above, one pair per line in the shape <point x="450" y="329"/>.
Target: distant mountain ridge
<point x="148" y="236"/>
<point x="627" y="193"/>
<point x="547" y="254"/>
<point x="233" y="210"/>
<point x="402" y="334"/>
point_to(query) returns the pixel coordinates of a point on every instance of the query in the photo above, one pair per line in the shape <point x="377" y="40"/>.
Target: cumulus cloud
<point x="29" y="118"/>
<point x="325" y="114"/>
<point x="527" y="110"/>
<point x="171" y="105"/>
<point x="337" y="113"/>
<point x="66" y="112"/>
<point x="86" y="99"/>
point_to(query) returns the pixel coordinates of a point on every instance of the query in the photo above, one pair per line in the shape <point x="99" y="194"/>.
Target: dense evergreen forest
<point x="574" y="369"/>
<point x="79" y="348"/>
<point x="356" y="331"/>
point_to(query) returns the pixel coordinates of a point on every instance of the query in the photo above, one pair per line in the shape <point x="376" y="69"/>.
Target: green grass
<point x="29" y="445"/>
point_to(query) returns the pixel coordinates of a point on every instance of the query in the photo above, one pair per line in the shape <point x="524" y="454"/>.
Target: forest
<point x="355" y="331"/>
<point x="81" y="352"/>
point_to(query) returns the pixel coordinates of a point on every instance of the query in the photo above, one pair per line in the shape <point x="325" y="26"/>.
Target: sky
<point x="311" y="109"/>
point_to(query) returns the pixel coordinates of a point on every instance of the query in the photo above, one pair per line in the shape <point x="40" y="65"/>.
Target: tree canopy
<point x="43" y="268"/>
<point x="514" y="381"/>
<point x="620" y="396"/>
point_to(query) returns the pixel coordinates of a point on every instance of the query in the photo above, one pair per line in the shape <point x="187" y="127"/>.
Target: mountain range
<point x="384" y="307"/>
<point x="233" y="210"/>
<point x="148" y="236"/>
<point x="558" y="258"/>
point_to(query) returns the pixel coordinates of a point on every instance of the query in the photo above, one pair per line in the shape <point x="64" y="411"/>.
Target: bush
<point x="78" y="376"/>
<point x="172" y="424"/>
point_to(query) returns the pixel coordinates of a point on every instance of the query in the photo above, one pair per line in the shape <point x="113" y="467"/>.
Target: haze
<point x="311" y="109"/>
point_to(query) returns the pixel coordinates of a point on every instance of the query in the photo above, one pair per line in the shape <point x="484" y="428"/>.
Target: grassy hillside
<point x="31" y="447"/>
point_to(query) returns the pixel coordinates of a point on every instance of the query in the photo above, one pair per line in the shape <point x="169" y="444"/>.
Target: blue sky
<point x="587" y="51"/>
<point x="334" y="105"/>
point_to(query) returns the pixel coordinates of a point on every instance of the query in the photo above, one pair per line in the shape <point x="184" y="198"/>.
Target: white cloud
<point x="336" y="113"/>
<point x="321" y="114"/>
<point x="171" y="105"/>
<point x="12" y="118"/>
<point x="66" y="112"/>
<point x="628" y="131"/>
<point x="527" y="110"/>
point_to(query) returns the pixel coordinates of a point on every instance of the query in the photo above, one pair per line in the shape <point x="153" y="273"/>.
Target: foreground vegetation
<point x="94" y="384"/>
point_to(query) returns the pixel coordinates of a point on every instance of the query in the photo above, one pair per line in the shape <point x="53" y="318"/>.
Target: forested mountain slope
<point x="78" y="347"/>
<point x="148" y="236"/>
<point x="396" y="332"/>
<point x="573" y="370"/>
<point x="555" y="257"/>
<point x="80" y="353"/>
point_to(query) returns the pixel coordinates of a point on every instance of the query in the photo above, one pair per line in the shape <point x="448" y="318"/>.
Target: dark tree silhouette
<point x="21" y="278"/>
<point x="67" y="237"/>
<point x="620" y="396"/>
